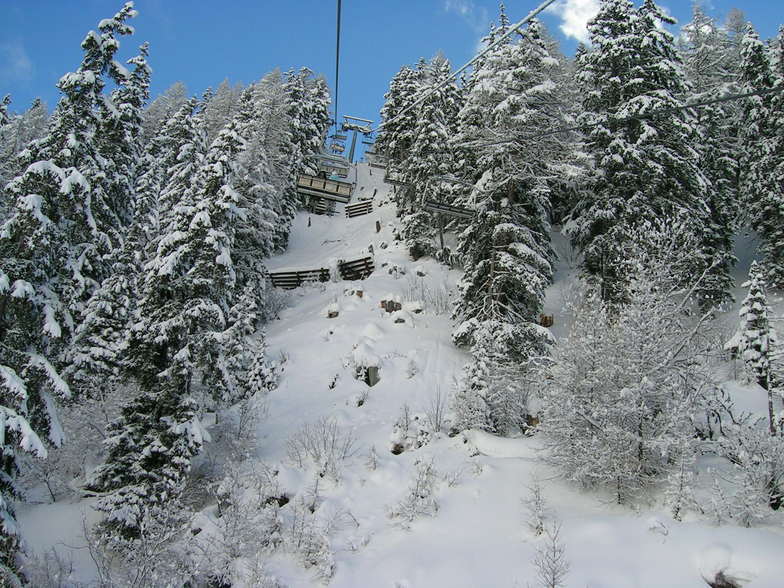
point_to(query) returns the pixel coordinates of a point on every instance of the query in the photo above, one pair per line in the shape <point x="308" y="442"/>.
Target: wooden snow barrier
<point x="293" y="279"/>
<point x="359" y="208"/>
<point x="448" y="209"/>
<point x="308" y="185"/>
<point x="357" y="269"/>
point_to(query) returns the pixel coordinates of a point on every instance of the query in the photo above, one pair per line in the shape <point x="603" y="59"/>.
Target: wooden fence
<point x="357" y="269"/>
<point x="293" y="279"/>
<point x="359" y="208"/>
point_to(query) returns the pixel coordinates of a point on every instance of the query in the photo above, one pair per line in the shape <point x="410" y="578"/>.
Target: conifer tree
<point x="756" y="340"/>
<point x="429" y="157"/>
<point x="398" y="120"/>
<point x="506" y="250"/>
<point x="120" y="136"/>
<point x="762" y="170"/>
<point x="711" y="66"/>
<point x="160" y="110"/>
<point x="257" y="227"/>
<point x="86" y="212"/>
<point x="59" y="226"/>
<point x="644" y="167"/>
<point x="187" y="294"/>
<point x="5" y="118"/>
<point x="275" y="135"/>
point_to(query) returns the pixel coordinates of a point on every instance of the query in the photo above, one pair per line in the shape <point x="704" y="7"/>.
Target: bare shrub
<point x="309" y="540"/>
<point x="435" y="411"/>
<point x="433" y="298"/>
<point x="324" y="444"/>
<point x="536" y="507"/>
<point x="550" y="559"/>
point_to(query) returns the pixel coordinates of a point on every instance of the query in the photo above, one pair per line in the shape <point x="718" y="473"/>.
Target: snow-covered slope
<point x="476" y="531"/>
<point x="478" y="536"/>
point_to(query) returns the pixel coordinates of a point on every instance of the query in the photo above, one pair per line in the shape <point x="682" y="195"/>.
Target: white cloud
<point x="574" y="15"/>
<point x="15" y="64"/>
<point x="475" y="17"/>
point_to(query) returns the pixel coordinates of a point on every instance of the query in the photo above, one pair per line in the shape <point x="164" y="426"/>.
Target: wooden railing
<point x="330" y="189"/>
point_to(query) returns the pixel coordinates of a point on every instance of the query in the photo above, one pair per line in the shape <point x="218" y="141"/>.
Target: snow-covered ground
<point x="478" y="536"/>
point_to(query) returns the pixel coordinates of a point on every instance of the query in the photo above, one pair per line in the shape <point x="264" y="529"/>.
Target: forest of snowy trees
<point x="651" y="194"/>
<point x="134" y="292"/>
<point x="132" y="279"/>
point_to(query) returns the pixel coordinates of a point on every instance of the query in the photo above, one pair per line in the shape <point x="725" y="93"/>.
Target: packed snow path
<point x="479" y="535"/>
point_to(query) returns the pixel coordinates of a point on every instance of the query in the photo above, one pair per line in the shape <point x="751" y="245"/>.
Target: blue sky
<point x="201" y="43"/>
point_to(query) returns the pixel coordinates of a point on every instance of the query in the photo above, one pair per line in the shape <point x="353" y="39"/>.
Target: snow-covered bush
<point x="410" y="431"/>
<point x="246" y="525"/>
<point x="309" y="540"/>
<point x="157" y="556"/>
<point x="419" y="500"/>
<point x="324" y="444"/>
<point x="623" y="387"/>
<point x="757" y="474"/>
<point x="492" y="393"/>
<point x="436" y="410"/>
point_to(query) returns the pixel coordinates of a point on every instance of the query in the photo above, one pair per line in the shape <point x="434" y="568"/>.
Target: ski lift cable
<point x="648" y="115"/>
<point x="337" y="64"/>
<point x="477" y="57"/>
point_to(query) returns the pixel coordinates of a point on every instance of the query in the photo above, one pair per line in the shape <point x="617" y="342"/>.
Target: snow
<point x="479" y="535"/>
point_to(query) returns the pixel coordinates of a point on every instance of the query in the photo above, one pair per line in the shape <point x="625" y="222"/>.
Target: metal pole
<point x="337" y="67"/>
<point x="353" y="145"/>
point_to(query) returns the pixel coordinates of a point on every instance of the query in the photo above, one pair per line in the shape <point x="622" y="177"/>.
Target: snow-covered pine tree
<point x="101" y="337"/>
<point x="19" y="131"/>
<point x="506" y="250"/>
<point x="149" y="451"/>
<point x="645" y="168"/>
<point x="187" y="294"/>
<point x="119" y="139"/>
<point x="429" y="157"/>
<point x="393" y="105"/>
<point x="711" y="65"/>
<point x="91" y="225"/>
<point x="275" y="135"/>
<point x="221" y="108"/>
<point x="763" y="167"/>
<point x="256" y="227"/>
<point x="60" y="225"/>
<point x="756" y="340"/>
<point x="5" y="118"/>
<point x="34" y="322"/>
<point x="399" y="120"/>
<point x="162" y="109"/>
